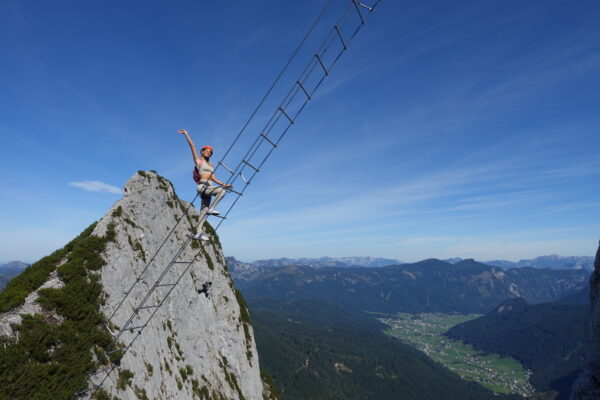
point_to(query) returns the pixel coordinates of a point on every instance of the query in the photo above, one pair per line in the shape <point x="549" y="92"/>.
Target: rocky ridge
<point x="195" y="346"/>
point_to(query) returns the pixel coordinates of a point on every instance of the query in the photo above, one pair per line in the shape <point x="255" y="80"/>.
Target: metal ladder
<point x="266" y="141"/>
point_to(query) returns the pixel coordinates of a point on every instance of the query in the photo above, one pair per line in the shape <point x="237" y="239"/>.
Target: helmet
<point x="208" y="147"/>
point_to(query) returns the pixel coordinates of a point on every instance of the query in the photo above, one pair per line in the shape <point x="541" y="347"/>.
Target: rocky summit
<point x="197" y="345"/>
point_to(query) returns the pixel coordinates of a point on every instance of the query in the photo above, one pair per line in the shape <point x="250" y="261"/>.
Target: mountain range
<point x="321" y="262"/>
<point x="550" y="261"/>
<point x="427" y="286"/>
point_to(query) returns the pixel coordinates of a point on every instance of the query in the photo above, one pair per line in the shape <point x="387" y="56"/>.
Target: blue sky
<point x="466" y="128"/>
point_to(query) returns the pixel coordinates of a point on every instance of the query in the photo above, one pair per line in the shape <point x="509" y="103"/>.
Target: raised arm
<point x="192" y="146"/>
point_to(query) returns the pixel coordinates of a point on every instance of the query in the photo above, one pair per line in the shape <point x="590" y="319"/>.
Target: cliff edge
<point x="587" y="387"/>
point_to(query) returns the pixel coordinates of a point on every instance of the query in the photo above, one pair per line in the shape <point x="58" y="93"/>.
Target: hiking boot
<point x="212" y="211"/>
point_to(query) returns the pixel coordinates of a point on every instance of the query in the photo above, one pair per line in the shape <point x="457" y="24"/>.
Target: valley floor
<point x="426" y="333"/>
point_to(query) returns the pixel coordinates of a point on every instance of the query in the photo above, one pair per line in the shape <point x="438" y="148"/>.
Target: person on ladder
<point x="203" y="175"/>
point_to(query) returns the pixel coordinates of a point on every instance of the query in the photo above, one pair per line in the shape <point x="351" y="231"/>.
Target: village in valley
<point x="426" y="333"/>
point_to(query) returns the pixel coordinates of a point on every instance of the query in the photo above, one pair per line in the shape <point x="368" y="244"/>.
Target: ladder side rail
<point x="292" y="57"/>
<point x="324" y="48"/>
<point x="325" y="45"/>
<point x="287" y="100"/>
<point x="151" y="260"/>
<point x="239" y="168"/>
<point x="365" y="18"/>
<point x="241" y="165"/>
<point x="276" y="115"/>
<point x="152" y="289"/>
<point x="236" y="172"/>
<point x="250" y="155"/>
<point x="303" y="79"/>
<point x="139" y="333"/>
<point x="252" y="176"/>
<point x="318" y="85"/>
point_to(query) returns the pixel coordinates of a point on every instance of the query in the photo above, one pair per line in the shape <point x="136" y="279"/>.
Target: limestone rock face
<point x="195" y="346"/>
<point x="587" y="386"/>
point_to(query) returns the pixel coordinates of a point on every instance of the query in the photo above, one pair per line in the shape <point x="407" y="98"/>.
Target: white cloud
<point x="96" y="186"/>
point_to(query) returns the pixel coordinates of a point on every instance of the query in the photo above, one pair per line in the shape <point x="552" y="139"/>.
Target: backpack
<point x="197" y="178"/>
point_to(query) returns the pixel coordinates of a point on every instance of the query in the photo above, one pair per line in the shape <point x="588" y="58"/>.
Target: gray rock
<point x="587" y="386"/>
<point x="192" y="336"/>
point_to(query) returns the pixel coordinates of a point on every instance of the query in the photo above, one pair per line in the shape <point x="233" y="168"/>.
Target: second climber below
<point x="204" y="169"/>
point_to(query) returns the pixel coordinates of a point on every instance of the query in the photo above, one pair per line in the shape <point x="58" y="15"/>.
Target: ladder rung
<point x="219" y="216"/>
<point x="364" y="5"/>
<point x="147" y="307"/>
<point x="226" y="167"/>
<point x="250" y="165"/>
<point x="322" y="65"/>
<point x="236" y="192"/>
<point x="303" y="89"/>
<point x="109" y="331"/>
<point x="362" y="20"/>
<point x="286" y="115"/>
<point x="112" y="351"/>
<point x="165" y="284"/>
<point x="269" y="140"/>
<point x="136" y="327"/>
<point x="182" y="262"/>
<point x="340" y="36"/>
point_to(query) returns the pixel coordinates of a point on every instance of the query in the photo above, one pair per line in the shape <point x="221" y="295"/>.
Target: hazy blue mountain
<point x="316" y="350"/>
<point x="10" y="270"/>
<point x="244" y="271"/>
<point x="427" y="286"/>
<point x="13" y="267"/>
<point x="552" y="262"/>
<point x="547" y="338"/>
<point x="321" y="262"/>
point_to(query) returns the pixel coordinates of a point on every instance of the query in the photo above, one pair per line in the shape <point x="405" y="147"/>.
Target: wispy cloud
<point x="96" y="186"/>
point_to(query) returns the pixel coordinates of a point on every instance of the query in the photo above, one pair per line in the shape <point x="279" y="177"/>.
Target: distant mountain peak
<point x="16" y="265"/>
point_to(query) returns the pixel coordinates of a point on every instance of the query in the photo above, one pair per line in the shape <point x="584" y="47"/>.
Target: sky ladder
<point x="302" y="91"/>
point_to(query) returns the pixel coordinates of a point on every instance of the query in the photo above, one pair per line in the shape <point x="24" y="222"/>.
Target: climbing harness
<point x="336" y="42"/>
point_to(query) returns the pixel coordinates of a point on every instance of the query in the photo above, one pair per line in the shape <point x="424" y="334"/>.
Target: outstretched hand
<point x="228" y="186"/>
<point x="182" y="131"/>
